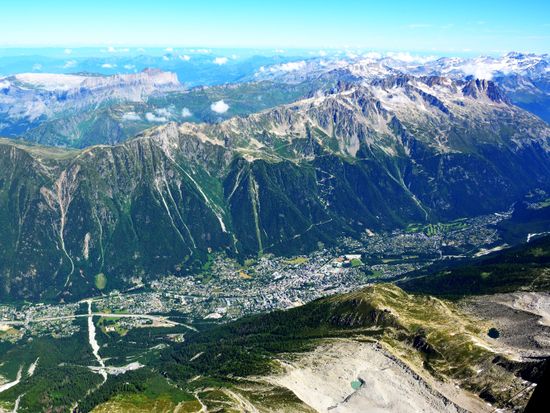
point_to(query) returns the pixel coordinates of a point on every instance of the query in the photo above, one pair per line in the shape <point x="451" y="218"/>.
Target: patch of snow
<point x="51" y="81"/>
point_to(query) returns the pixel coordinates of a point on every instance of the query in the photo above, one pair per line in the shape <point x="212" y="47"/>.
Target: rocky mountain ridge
<point x="359" y="156"/>
<point x="523" y="77"/>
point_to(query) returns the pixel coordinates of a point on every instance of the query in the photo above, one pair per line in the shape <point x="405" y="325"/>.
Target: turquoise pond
<point x="356" y="384"/>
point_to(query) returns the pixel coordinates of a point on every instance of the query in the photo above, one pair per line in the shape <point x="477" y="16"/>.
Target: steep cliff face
<point x="27" y="250"/>
<point x="33" y="95"/>
<point x="375" y="155"/>
<point x="76" y="110"/>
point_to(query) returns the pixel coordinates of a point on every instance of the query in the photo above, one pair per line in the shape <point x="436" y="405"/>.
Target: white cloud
<point x="68" y="51"/>
<point x="36" y="66"/>
<point x="409" y="58"/>
<point x="279" y="51"/>
<point x="372" y="55"/>
<point x="292" y="66"/>
<point x="322" y="53"/>
<point x="169" y="49"/>
<point x="186" y="113"/>
<point x="220" y="60"/>
<point x="69" y="63"/>
<point x="108" y="65"/>
<point x="153" y="118"/>
<point x="219" y="107"/>
<point x="131" y="116"/>
<point x="165" y="58"/>
<point x="129" y="67"/>
<point x="200" y="51"/>
<point x="112" y="49"/>
<point x="479" y="70"/>
<point x="185" y="57"/>
<point x="163" y="112"/>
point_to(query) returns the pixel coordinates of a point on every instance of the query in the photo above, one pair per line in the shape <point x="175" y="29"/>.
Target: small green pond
<point x="356" y="384"/>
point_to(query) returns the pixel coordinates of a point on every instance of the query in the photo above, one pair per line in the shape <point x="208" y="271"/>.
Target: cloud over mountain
<point x="219" y="107"/>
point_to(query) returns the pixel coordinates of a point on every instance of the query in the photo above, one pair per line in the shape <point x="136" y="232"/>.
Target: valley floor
<point x="433" y="358"/>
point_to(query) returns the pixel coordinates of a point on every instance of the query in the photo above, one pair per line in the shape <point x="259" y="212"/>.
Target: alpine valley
<point x="305" y="234"/>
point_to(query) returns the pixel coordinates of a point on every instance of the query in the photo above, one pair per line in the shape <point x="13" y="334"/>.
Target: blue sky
<point x="422" y="26"/>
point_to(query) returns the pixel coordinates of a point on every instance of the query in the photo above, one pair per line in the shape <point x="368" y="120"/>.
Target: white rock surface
<point x="322" y="379"/>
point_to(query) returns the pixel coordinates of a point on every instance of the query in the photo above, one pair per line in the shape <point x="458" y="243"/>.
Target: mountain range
<point x="335" y="233"/>
<point x="83" y="109"/>
<point x="356" y="154"/>
<point x="523" y="77"/>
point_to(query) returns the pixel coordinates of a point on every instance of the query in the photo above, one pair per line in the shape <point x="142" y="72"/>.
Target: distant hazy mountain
<point x="32" y="95"/>
<point x="525" y="78"/>
<point x="83" y="110"/>
<point x="365" y="154"/>
<point x="30" y="98"/>
<point x="193" y="66"/>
